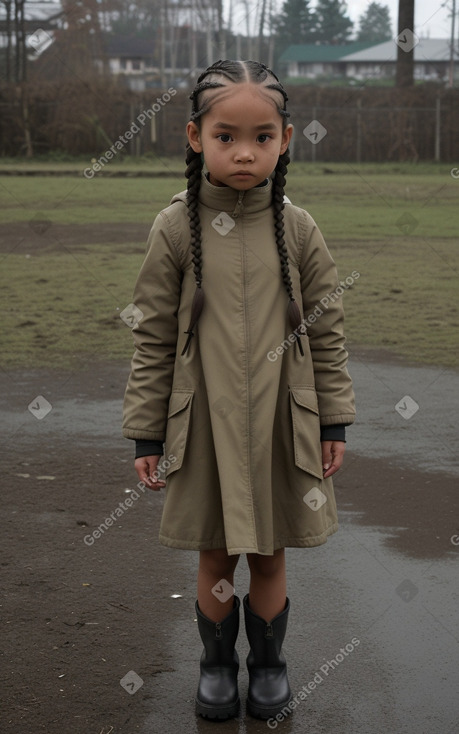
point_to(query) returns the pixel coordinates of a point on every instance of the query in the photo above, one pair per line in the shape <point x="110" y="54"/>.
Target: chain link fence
<point x="331" y="124"/>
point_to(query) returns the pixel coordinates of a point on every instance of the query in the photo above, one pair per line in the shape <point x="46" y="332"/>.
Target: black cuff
<point x="145" y="447"/>
<point x="333" y="433"/>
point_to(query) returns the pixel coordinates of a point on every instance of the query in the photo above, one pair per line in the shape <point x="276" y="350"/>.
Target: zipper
<point x="218" y="630"/>
<point x="238" y="207"/>
<point x="269" y="630"/>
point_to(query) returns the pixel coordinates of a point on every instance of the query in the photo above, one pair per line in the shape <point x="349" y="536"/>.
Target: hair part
<point x="217" y="76"/>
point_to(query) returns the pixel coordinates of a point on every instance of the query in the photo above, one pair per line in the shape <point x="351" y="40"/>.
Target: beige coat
<point x="241" y="411"/>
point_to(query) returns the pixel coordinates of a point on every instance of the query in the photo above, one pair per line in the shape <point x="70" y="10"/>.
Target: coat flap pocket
<point x="306" y="397"/>
<point x="306" y="429"/>
<point x="178" y="426"/>
<point x="178" y="401"/>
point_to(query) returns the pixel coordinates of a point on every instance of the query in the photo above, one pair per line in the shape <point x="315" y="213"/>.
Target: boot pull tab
<point x="269" y="630"/>
<point x="218" y="630"/>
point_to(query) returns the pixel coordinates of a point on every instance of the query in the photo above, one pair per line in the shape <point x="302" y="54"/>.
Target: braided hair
<point x="214" y="77"/>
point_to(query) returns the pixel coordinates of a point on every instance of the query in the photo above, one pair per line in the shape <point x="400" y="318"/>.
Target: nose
<point x="244" y="154"/>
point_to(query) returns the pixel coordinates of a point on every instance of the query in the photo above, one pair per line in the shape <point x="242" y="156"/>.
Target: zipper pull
<point x="269" y="630"/>
<point x="238" y="206"/>
<point x="218" y="630"/>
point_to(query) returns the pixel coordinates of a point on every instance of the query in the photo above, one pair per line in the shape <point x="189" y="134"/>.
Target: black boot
<point x="217" y="696"/>
<point x="269" y="690"/>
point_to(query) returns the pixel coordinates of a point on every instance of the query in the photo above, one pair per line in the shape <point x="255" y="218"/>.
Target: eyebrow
<point x="226" y="126"/>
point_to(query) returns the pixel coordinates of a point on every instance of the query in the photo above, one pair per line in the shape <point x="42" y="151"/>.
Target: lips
<point x="243" y="173"/>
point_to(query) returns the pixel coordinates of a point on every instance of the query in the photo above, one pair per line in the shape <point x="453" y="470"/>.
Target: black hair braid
<point x="193" y="174"/>
<point x="278" y="211"/>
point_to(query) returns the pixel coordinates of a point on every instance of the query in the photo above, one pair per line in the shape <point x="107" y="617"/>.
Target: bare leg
<point x="268" y="584"/>
<point x="214" y="566"/>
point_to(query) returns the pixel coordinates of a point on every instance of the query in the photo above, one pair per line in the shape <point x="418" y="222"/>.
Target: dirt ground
<point x="14" y="234"/>
<point x="78" y="617"/>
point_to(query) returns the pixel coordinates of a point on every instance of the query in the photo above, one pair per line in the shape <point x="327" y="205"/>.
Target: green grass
<point x="69" y="200"/>
<point x="61" y="303"/>
<point x="63" y="309"/>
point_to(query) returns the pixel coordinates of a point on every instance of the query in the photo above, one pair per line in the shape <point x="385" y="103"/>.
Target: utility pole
<point x="405" y="51"/>
<point x="452" y="53"/>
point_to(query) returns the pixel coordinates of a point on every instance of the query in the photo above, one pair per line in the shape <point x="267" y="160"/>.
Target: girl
<point x="242" y="372"/>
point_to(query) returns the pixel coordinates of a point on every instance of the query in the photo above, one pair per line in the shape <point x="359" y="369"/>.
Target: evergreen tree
<point x="295" y="24"/>
<point x="375" y="24"/>
<point x="332" y="23"/>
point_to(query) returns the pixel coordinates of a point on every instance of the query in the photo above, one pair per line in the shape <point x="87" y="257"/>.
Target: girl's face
<point x="241" y="135"/>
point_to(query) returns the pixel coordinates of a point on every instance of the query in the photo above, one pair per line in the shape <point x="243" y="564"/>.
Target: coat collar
<point x="236" y="203"/>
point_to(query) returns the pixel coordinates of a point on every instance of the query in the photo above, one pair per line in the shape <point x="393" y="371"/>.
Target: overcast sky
<point x="430" y="16"/>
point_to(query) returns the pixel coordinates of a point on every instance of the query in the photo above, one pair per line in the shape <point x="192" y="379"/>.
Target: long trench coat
<point x="241" y="411"/>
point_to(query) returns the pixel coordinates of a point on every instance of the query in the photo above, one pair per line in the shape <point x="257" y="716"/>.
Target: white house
<point x="431" y="60"/>
<point x="365" y="61"/>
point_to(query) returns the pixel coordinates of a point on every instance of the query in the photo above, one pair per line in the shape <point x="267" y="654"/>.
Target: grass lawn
<point x="395" y="224"/>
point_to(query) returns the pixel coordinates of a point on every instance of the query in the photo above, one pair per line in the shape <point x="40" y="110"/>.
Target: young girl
<point x="241" y="371"/>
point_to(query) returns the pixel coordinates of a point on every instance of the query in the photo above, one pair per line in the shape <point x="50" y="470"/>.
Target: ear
<point x="194" y="137"/>
<point x="286" y="138"/>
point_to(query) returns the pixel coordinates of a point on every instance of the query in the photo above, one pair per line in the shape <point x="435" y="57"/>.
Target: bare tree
<point x="261" y="27"/>
<point x="9" y="38"/>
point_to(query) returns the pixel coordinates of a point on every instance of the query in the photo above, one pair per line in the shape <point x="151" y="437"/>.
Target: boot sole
<point x="265" y="712"/>
<point x="218" y="712"/>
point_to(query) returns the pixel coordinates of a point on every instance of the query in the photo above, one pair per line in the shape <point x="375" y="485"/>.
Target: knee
<point x="217" y="563"/>
<point x="266" y="565"/>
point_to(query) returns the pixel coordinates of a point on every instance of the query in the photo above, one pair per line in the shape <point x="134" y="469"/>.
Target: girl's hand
<point x="332" y="456"/>
<point x="146" y="468"/>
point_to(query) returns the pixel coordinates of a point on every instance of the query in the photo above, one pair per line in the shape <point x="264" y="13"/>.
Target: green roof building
<point x="312" y="60"/>
<point x="365" y="60"/>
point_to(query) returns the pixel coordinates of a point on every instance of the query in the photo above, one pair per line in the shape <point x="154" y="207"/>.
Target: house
<point x="313" y="60"/>
<point x="367" y="61"/>
<point x="134" y="59"/>
<point x="431" y="60"/>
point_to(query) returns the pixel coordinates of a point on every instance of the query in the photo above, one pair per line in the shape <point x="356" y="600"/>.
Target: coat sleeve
<point x="324" y="317"/>
<point x="157" y="295"/>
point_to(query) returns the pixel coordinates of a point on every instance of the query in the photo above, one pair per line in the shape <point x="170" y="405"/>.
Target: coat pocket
<point x="306" y="430"/>
<point x="178" y="423"/>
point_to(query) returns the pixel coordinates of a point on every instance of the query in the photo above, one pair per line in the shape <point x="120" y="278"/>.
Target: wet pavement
<point x="373" y="639"/>
<point x="394" y="618"/>
<point x="409" y="413"/>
